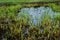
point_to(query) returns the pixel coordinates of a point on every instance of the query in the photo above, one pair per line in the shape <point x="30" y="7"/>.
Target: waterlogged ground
<point x="37" y="14"/>
<point x="40" y="23"/>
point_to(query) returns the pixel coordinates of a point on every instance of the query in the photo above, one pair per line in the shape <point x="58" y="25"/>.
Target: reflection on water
<point x="36" y="13"/>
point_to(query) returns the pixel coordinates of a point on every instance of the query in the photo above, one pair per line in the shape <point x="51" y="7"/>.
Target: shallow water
<point x="36" y="13"/>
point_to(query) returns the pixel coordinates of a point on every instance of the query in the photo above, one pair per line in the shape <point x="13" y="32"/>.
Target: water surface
<point x="36" y="13"/>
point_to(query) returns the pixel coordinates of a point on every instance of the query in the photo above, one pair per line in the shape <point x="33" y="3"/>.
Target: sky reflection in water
<point x="36" y="13"/>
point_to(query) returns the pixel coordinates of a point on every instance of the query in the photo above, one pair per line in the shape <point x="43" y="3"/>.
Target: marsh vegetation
<point x="23" y="23"/>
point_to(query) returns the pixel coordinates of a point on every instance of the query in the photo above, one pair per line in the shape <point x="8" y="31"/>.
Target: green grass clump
<point x="55" y="7"/>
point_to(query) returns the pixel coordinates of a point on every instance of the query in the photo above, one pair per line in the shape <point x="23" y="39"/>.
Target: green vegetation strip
<point x="28" y="0"/>
<point x="54" y="6"/>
